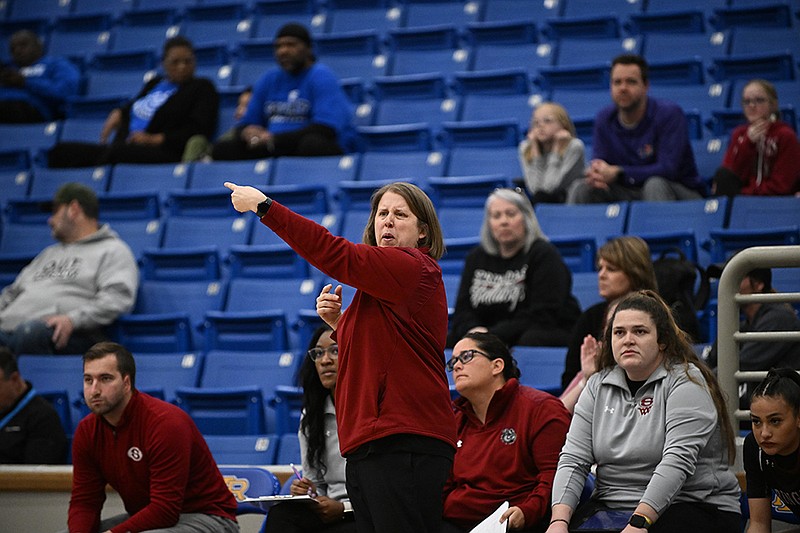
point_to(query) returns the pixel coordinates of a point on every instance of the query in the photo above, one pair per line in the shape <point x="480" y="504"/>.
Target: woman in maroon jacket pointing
<point x="396" y="425"/>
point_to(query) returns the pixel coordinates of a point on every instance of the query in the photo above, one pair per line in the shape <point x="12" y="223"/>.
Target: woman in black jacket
<point x="154" y="126"/>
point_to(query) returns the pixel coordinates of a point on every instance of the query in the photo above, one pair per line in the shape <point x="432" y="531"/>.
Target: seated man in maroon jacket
<point x="148" y="450"/>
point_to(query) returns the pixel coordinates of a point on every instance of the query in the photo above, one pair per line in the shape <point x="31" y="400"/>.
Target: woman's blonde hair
<point x="632" y="256"/>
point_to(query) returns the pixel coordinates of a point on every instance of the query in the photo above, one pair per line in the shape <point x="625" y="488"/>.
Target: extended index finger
<point x="232" y="186"/>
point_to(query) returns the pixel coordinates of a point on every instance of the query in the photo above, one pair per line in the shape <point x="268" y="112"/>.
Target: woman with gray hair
<point x="515" y="283"/>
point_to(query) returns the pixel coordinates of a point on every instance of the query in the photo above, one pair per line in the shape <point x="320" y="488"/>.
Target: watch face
<point x="638" y="521"/>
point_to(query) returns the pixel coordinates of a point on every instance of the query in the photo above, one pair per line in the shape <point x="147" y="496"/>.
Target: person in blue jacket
<point x="298" y="109"/>
<point x="34" y="87"/>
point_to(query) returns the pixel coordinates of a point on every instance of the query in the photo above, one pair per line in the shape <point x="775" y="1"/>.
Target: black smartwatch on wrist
<point x="640" y="521"/>
<point x="263" y="207"/>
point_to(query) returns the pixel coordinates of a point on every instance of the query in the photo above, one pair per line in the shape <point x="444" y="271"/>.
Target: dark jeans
<point x="77" y="154"/>
<point x="300" y="518"/>
<point x="35" y="337"/>
<point x="397" y="492"/>
<point x="677" y="518"/>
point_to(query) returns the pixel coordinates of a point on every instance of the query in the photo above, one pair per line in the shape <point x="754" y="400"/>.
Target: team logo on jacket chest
<point x="508" y="436"/>
<point x="135" y="453"/>
<point x="645" y="405"/>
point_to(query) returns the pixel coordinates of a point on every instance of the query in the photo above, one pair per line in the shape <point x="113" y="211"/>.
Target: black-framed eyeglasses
<point x="316" y="353"/>
<point x="465" y="357"/>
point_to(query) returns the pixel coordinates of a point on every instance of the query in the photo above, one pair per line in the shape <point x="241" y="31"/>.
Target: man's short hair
<point x="8" y="362"/>
<point x="633" y="59"/>
<point x="298" y="31"/>
<point x="125" y="362"/>
<point x="81" y="194"/>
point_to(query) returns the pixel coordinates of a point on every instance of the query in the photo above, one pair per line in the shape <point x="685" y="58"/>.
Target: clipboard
<point x="265" y="502"/>
<point x="491" y="524"/>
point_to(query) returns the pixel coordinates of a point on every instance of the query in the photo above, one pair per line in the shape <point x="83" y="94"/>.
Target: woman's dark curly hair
<point x="314" y="395"/>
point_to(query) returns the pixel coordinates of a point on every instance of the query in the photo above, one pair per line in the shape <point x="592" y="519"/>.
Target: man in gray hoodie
<point x="61" y="301"/>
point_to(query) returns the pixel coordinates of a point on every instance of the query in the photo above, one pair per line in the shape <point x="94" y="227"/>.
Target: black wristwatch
<point x="263" y="207"/>
<point x="640" y="520"/>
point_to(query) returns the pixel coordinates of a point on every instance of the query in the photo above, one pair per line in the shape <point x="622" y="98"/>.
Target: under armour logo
<point x="608" y="410"/>
<point x="459" y="443"/>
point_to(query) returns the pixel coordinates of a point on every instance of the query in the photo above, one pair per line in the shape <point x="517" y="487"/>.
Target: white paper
<point x="491" y="524"/>
<point x="265" y="502"/>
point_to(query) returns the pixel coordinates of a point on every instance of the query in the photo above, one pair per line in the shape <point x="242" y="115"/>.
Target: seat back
<point x="246" y="450"/>
<point x="541" y="367"/>
<point x="168" y="371"/>
<point x="248" y="481"/>
<point x="602" y="221"/>
<point x="237" y="410"/>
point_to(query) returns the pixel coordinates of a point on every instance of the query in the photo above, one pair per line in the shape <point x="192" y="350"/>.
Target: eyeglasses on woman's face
<point x="316" y="353"/>
<point x="758" y="100"/>
<point x="465" y="357"/>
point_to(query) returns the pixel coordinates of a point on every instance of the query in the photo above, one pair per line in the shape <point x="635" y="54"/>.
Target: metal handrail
<point x="729" y="300"/>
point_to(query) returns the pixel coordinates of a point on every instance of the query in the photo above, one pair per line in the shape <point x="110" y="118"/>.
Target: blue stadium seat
<point x="288" y="404"/>
<point x="24" y="240"/>
<point x="32" y="9"/>
<point x="501" y="33"/>
<point x="515" y="107"/>
<point x="497" y="81"/>
<point x="152" y="26"/>
<point x="593" y="26"/>
<point x="132" y="178"/>
<point x="353" y="54"/>
<point x="757" y="221"/>
<point x="461" y="222"/>
<point x="619" y="8"/>
<point x="223" y="21"/>
<point x="770" y="66"/>
<point x="119" y="73"/>
<point x="112" y="7"/>
<point x="750" y="40"/>
<point x="435" y="111"/>
<point x="261" y="369"/>
<point x="457" y="249"/>
<point x="203" y="203"/>
<point x="602" y="221"/>
<point x="14" y="183"/>
<point x="402" y="166"/>
<point x="213" y="61"/>
<point x="582" y="51"/>
<point x="245" y="450"/>
<point x="270" y="15"/>
<point x="541" y="367"/>
<point x="775" y="15"/>
<point x="82" y="129"/>
<point x="582" y="103"/>
<point x="56" y="374"/>
<point x="452" y="282"/>
<point x="525" y="10"/>
<point x="266" y="261"/>
<point x="427" y="49"/>
<point x="310" y="200"/>
<point x="584" y="288"/>
<point x="702" y="98"/>
<point x="378" y="15"/>
<point x="578" y="253"/>
<point x="396" y="138"/>
<point x="289" y="450"/>
<point x="327" y="171"/>
<point x="246" y="330"/>
<point x="46" y="181"/>
<point x="464" y="191"/>
<point x="677" y="21"/>
<point x="130" y="206"/>
<point x="465" y="160"/>
<point x="11" y="265"/>
<point x="213" y="174"/>
<point x="426" y="13"/>
<point x="249" y="482"/>
<point x="93" y="108"/>
<point x="181" y="264"/>
<point x="234" y="410"/>
<point x="708" y="155"/>
<point x="168" y="315"/>
<point x="86" y="34"/>
<point x="531" y="56"/>
<point x="259" y="294"/>
<point x="140" y="235"/>
<point x="60" y="401"/>
<point x="31" y="137"/>
<point x="481" y="133"/>
<point x="660" y="47"/>
<point x="168" y="371"/>
<point x="183" y="232"/>
<point x="585" y="77"/>
<point x="253" y="59"/>
<point x="661" y="6"/>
